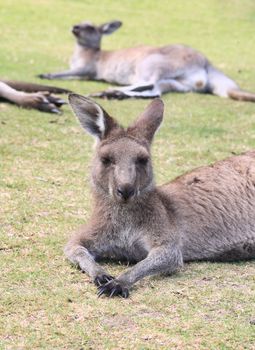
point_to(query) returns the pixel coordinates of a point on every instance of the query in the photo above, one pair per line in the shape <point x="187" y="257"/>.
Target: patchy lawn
<point x="44" y="182"/>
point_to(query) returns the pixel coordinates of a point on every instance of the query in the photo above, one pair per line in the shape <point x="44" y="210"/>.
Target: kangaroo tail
<point x="241" y="95"/>
<point x="221" y="85"/>
<point x="31" y="87"/>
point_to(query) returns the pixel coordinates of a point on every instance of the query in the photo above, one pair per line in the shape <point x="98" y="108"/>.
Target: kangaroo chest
<point x="124" y="244"/>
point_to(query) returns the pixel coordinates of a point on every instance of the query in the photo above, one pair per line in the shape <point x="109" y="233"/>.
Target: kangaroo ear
<point x="92" y="117"/>
<point x="110" y="27"/>
<point x="149" y="121"/>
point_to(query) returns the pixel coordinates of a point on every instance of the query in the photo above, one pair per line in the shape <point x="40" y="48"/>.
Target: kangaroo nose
<point x="125" y="192"/>
<point x="76" y="29"/>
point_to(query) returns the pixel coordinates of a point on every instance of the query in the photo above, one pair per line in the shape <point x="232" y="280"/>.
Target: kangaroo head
<point x="122" y="168"/>
<point x="89" y="35"/>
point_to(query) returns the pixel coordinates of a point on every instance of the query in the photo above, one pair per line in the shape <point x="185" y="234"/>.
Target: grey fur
<point x="206" y="214"/>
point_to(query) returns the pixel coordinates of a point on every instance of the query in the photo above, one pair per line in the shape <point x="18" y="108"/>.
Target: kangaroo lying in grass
<point x="31" y="95"/>
<point x="206" y="214"/>
<point x="146" y="71"/>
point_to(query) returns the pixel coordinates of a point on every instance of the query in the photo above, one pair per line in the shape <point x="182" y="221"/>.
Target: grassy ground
<point x="44" y="183"/>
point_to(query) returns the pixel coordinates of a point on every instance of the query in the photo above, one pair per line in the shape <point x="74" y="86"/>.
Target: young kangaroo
<point x="146" y="71"/>
<point x="207" y="214"/>
<point x="31" y="95"/>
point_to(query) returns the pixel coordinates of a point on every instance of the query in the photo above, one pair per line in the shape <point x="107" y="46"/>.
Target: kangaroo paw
<point x="110" y="95"/>
<point x="101" y="280"/>
<point x="45" y="76"/>
<point x="58" y="102"/>
<point x="42" y="101"/>
<point x="113" y="288"/>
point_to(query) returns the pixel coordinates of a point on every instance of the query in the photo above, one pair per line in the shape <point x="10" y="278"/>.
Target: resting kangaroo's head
<point x="122" y="168"/>
<point x="88" y="35"/>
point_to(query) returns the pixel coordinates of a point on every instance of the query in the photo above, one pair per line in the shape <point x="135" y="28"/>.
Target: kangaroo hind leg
<point x="137" y="91"/>
<point x="242" y="251"/>
<point x="143" y="90"/>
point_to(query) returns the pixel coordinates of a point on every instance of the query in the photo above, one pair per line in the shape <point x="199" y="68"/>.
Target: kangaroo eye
<point x="106" y="160"/>
<point x="142" y="161"/>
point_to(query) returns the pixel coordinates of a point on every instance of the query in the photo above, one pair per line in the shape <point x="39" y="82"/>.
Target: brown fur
<point x="30" y="95"/>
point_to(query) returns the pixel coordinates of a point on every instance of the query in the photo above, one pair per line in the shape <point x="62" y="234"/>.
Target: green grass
<point x="44" y="182"/>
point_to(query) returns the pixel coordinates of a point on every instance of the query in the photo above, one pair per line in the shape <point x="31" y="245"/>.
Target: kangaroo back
<point x="215" y="207"/>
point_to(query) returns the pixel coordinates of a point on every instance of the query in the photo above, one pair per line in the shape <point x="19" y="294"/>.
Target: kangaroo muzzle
<point x="125" y="177"/>
<point x="76" y="29"/>
<point x="125" y="192"/>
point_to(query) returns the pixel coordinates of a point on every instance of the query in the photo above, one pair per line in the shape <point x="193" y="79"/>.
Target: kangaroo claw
<point x="49" y="103"/>
<point x="56" y="111"/>
<point x="113" y="288"/>
<point x="102" y="280"/>
<point x="56" y="100"/>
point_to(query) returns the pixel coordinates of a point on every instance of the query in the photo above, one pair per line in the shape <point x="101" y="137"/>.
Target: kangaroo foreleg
<point x="68" y="74"/>
<point x="79" y="255"/>
<point x="160" y="260"/>
<point x="32" y="87"/>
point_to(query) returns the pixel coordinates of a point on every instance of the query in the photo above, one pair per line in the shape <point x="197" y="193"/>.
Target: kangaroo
<point x="146" y="71"/>
<point x="206" y="214"/>
<point x="31" y="95"/>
